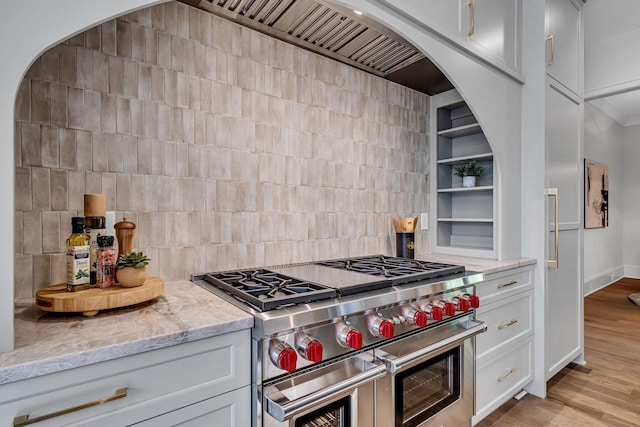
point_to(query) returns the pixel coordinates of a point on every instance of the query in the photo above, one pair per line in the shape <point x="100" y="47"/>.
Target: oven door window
<point x="336" y="414"/>
<point x="427" y="388"/>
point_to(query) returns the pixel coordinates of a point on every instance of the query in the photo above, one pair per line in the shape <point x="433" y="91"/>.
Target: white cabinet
<point x="564" y="43"/>
<point x="564" y="296"/>
<point x="488" y="29"/>
<point x="494" y="29"/>
<point x="464" y="219"/>
<point x="504" y="353"/>
<point x="187" y="383"/>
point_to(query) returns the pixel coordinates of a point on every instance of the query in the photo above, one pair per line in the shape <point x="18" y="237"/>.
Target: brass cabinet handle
<point x="472" y="6"/>
<point x="506" y="325"/>
<point x="512" y="371"/>
<point x="504" y="285"/>
<point x="24" y="420"/>
<point x="553" y="263"/>
<point x="551" y="39"/>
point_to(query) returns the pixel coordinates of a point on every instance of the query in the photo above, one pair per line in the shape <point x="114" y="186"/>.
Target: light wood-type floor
<point x="606" y="392"/>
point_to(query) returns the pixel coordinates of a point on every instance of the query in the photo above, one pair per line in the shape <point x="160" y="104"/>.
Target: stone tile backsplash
<point x="226" y="147"/>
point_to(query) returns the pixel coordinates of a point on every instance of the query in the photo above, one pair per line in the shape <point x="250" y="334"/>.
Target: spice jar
<point x="105" y="262"/>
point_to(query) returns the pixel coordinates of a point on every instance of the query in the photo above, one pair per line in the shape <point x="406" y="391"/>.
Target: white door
<point x="564" y="300"/>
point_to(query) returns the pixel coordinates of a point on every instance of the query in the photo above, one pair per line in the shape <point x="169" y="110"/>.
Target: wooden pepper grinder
<point x="124" y="234"/>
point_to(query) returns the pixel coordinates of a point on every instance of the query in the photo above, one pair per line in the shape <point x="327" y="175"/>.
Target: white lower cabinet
<point x="504" y="353"/>
<point x="185" y="384"/>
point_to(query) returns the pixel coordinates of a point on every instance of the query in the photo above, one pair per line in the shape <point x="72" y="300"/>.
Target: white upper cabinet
<point x="563" y="29"/>
<point x="488" y="29"/>
<point x="493" y="27"/>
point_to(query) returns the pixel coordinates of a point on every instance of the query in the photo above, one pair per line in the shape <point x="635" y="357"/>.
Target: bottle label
<point x="78" y="265"/>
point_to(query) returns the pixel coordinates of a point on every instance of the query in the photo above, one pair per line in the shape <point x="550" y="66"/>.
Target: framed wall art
<point x="596" y="194"/>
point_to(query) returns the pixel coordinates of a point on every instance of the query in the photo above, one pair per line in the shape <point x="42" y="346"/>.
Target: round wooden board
<point x="56" y="298"/>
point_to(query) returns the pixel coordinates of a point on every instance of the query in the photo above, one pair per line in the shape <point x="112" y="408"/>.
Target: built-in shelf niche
<point x="464" y="220"/>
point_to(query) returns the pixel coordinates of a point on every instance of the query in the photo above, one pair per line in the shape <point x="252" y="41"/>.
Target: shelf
<point x="459" y="159"/>
<point x="483" y="220"/>
<point x="465" y="217"/>
<point x="465" y="189"/>
<point x="459" y="131"/>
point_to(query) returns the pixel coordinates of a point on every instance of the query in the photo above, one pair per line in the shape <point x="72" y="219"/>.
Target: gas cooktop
<point x="283" y="286"/>
<point x="398" y="270"/>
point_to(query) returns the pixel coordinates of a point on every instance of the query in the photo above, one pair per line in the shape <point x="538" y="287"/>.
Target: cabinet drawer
<point x="503" y="284"/>
<point x="506" y="320"/>
<point x="188" y="372"/>
<point x="501" y="378"/>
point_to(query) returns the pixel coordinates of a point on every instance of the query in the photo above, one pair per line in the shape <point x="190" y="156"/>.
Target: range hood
<point x="338" y="33"/>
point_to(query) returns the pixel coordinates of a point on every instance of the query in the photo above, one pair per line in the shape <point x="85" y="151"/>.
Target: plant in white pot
<point x="132" y="269"/>
<point x="469" y="171"/>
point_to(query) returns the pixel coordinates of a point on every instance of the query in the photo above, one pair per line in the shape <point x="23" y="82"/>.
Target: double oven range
<point x="370" y="341"/>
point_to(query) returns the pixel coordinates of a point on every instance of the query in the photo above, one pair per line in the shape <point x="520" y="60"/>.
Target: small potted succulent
<point x="468" y="170"/>
<point x="132" y="269"/>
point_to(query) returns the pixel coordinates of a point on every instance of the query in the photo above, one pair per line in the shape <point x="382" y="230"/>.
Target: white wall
<point x="603" y="143"/>
<point x="631" y="200"/>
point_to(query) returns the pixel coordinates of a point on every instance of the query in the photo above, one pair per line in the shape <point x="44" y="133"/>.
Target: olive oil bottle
<point x="77" y="256"/>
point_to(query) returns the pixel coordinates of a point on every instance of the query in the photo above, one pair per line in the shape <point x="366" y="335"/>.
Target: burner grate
<point x="267" y="290"/>
<point x="398" y="270"/>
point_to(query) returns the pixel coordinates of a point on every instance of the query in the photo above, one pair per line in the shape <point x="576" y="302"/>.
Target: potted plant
<point x="468" y="170"/>
<point x="132" y="269"/>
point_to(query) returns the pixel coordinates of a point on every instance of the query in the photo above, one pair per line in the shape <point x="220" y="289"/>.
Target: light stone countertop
<point x="482" y="265"/>
<point x="51" y="342"/>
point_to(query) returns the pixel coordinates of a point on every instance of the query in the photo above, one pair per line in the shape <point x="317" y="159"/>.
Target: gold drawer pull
<point x="506" y="325"/>
<point x="506" y="376"/>
<point x="511" y="283"/>
<point x="24" y="420"/>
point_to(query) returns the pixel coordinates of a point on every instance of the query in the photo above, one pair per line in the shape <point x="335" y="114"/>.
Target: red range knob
<point x="308" y="347"/>
<point x="386" y="329"/>
<point x="380" y="327"/>
<point x="354" y="339"/>
<point x="449" y="309"/>
<point x="463" y="304"/>
<point x="313" y="352"/>
<point x="475" y="301"/>
<point x="436" y="313"/>
<point x="415" y="316"/>
<point x="282" y="355"/>
<point x="420" y="318"/>
<point x="287" y="359"/>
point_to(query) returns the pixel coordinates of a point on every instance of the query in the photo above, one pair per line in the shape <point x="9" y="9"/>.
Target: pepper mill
<point x="124" y="234"/>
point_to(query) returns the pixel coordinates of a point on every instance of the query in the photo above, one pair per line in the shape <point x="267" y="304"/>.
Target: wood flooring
<point x="605" y="392"/>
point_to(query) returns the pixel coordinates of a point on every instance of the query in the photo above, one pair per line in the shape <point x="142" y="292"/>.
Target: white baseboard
<point x="605" y="278"/>
<point x="632" y="271"/>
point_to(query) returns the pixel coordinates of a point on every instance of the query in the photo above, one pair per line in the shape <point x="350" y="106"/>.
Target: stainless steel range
<point x="368" y="341"/>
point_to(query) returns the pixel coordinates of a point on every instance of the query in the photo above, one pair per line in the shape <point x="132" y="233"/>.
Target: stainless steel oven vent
<point x="324" y="28"/>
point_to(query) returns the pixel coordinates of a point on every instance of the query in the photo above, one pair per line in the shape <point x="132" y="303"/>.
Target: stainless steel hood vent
<point x="323" y="29"/>
<point x="336" y="32"/>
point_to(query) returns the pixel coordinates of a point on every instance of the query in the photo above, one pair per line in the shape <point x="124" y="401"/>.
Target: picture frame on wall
<point x="596" y="194"/>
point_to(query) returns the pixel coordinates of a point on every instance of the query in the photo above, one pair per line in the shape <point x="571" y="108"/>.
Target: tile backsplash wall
<point x="226" y="147"/>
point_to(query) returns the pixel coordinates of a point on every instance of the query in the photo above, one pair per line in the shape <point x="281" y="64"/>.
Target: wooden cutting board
<point x="56" y="298"/>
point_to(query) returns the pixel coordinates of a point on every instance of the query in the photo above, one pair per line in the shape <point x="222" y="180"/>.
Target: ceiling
<point x="338" y="33"/>
<point x="624" y="108"/>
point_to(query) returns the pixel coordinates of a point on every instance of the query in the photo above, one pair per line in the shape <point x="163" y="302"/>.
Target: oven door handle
<point x="395" y="363"/>
<point x="284" y="411"/>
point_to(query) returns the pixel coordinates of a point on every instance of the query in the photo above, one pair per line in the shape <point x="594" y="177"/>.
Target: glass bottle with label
<point x="77" y="256"/>
<point x="105" y="262"/>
